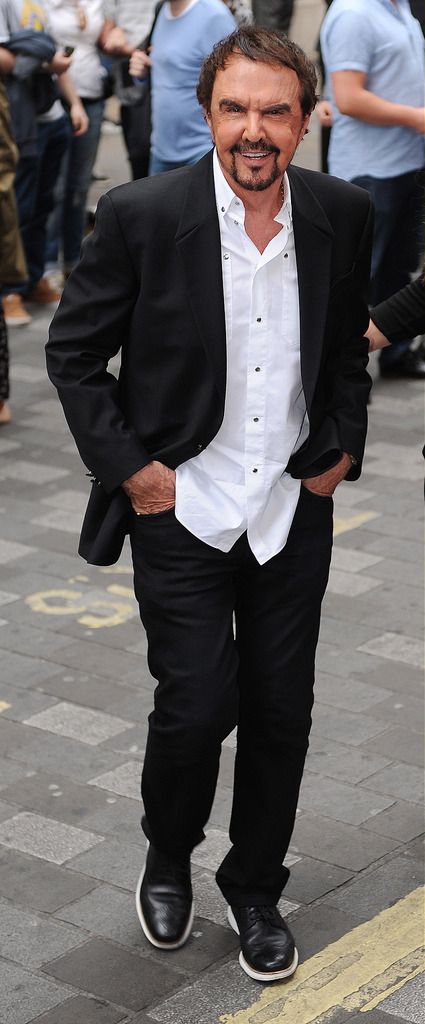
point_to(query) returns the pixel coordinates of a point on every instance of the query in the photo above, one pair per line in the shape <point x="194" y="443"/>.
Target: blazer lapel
<point x="313" y="245"/>
<point x="198" y="242"/>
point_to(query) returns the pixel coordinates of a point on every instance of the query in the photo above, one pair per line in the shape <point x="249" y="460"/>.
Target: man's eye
<point x="232" y="108"/>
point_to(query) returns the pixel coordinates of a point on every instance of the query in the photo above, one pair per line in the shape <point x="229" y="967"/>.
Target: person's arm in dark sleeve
<point x="403" y="314"/>
<point x="90" y="326"/>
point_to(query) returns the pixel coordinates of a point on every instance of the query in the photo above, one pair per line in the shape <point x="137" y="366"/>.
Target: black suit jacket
<point x="150" y="284"/>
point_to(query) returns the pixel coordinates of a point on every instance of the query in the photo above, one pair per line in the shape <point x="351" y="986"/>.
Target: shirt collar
<point x="229" y="203"/>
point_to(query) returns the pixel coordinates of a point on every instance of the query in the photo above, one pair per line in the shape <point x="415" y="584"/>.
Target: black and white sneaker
<point x="164" y="901"/>
<point x="268" y="951"/>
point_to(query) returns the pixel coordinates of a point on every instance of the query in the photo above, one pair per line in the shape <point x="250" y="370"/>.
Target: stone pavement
<point x="74" y="696"/>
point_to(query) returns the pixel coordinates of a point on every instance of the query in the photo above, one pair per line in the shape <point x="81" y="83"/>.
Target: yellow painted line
<point x="344" y="523"/>
<point x="4" y="706"/>
<point x="349" y="974"/>
<point x="394" y="988"/>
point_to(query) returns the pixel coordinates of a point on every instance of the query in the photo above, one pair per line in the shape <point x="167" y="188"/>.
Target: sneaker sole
<point x="151" y="938"/>
<point x="252" y="972"/>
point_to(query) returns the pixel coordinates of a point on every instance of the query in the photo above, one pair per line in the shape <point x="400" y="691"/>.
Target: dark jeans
<point x="34" y="188"/>
<point x="273" y="13"/>
<point x="397" y="239"/>
<point x="66" y="225"/>
<point x="209" y="680"/>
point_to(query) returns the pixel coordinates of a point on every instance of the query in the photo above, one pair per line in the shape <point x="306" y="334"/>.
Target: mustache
<point x="254" y="147"/>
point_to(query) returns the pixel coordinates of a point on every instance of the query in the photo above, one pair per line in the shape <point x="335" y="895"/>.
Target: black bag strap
<point x="148" y="39"/>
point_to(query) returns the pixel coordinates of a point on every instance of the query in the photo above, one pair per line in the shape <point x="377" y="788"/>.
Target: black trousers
<point x="273" y="13"/>
<point x="211" y="677"/>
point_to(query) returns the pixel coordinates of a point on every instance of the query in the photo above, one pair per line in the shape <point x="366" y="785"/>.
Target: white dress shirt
<point x="238" y="483"/>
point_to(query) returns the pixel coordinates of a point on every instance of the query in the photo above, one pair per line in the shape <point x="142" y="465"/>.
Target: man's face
<point x="256" y="121"/>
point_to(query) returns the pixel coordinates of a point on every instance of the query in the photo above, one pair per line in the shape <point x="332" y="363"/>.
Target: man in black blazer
<point x="235" y="290"/>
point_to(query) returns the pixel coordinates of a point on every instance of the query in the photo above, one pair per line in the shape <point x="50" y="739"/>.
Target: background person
<point x="373" y="53"/>
<point x="41" y="129"/>
<point x="184" y="33"/>
<point x="80" y="26"/>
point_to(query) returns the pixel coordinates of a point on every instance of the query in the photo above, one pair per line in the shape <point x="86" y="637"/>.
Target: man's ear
<point x="304" y="127"/>
<point x="207" y="118"/>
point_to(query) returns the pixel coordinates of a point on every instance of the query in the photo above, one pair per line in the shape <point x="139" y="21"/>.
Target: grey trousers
<point x="273" y="13"/>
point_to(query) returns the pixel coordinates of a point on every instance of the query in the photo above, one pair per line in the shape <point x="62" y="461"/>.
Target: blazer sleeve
<point x="348" y="381"/>
<point x="88" y="329"/>
<point x="403" y="314"/>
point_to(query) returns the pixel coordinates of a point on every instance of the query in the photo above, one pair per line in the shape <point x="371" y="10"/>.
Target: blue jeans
<point x="66" y="225"/>
<point x="34" y="188"/>
<point x="397" y="240"/>
<point x="157" y="166"/>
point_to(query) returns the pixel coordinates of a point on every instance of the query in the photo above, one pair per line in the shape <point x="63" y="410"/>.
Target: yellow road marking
<point x="344" y="523"/>
<point x="394" y="988"/>
<point x="4" y="706"/>
<point x="360" y="967"/>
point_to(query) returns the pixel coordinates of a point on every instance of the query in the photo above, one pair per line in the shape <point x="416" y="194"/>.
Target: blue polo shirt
<point x="179" y="46"/>
<point x="385" y="41"/>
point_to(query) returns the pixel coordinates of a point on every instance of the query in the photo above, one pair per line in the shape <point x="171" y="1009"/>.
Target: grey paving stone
<point x="402" y="679"/>
<point x="31" y="472"/>
<point x="221" y="808"/>
<point x="390" y="526"/>
<point x="58" y="797"/>
<point x="54" y="753"/>
<point x="338" y="800"/>
<point x="90" y="657"/>
<point x="117" y="817"/>
<point x="378" y="889"/>
<point x="403" y="821"/>
<point x="397" y="648"/>
<point x="26" y="995"/>
<point x="404" y="781"/>
<point x="31" y="940"/>
<point x="10" y="772"/>
<point x="17" y="704"/>
<point x="113" y="861"/>
<point x="11" y="551"/>
<point x="350" y="560"/>
<point x="132" y="742"/>
<point x="311" y="879"/>
<point x="88" y="1011"/>
<point x="124" y="780"/>
<point x="318" y="927"/>
<point x="19" y="670"/>
<point x="346" y="764"/>
<point x="376" y="1016"/>
<point x="38" y="885"/>
<point x="91" y="690"/>
<point x="337" y="843"/>
<point x="343" y="663"/>
<point x="29" y="640"/>
<point x="207" y="945"/>
<point x="347" y="583"/>
<point x="409" y="1001"/>
<point x="343" y="693"/>
<point x="404" y="711"/>
<point x="107" y="970"/>
<point x="399" y="744"/>
<point x="401" y="572"/>
<point x="209" y="999"/>
<point x="79" y="723"/>
<point x="346" y="726"/>
<point x="107" y="912"/>
<point x="43" y="837"/>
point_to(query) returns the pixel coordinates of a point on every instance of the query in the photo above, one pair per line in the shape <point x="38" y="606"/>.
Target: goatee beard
<point x="251" y="184"/>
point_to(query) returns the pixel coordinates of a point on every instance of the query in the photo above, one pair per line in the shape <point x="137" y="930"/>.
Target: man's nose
<point x="253" y="130"/>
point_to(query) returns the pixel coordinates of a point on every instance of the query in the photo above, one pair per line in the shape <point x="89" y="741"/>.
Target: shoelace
<point x="270" y="914"/>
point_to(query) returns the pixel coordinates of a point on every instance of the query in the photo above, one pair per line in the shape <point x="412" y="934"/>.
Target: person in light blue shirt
<point x="373" y="53"/>
<point x="184" y="34"/>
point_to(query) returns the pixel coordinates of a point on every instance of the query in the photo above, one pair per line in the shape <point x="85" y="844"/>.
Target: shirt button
<point x="258" y="319"/>
<point x="222" y="209"/>
<point x="226" y="256"/>
<point x="199" y="446"/>
<point x="256" y="419"/>
<point x="257" y="369"/>
<point x="255" y="470"/>
<point x="285" y="255"/>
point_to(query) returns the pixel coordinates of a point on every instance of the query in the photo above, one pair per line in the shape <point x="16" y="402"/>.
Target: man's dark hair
<point x="267" y="47"/>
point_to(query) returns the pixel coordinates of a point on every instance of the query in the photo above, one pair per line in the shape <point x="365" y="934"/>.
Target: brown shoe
<point x="14" y="310"/>
<point x="5" y="413"/>
<point x="43" y="293"/>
